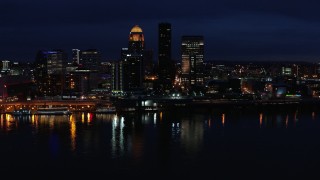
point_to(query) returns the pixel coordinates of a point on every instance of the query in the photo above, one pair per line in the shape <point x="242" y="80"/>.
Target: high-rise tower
<point x="136" y="41"/>
<point x="166" y="65"/>
<point x="132" y="60"/>
<point x="192" y="60"/>
<point x="76" y="56"/>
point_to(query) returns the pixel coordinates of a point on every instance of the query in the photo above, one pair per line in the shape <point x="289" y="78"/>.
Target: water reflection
<point x="73" y="134"/>
<point x="1" y="122"/>
<point x="295" y="117"/>
<point x="260" y="119"/>
<point x="313" y="114"/>
<point x="117" y="141"/>
<point x="82" y="118"/>
<point x="176" y="131"/>
<point x="8" y="123"/>
<point x="138" y="136"/>
<point x="223" y="119"/>
<point x="279" y="120"/>
<point x="192" y="135"/>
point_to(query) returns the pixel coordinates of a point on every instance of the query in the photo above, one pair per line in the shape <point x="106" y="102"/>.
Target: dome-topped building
<point x="133" y="61"/>
<point x="136" y="29"/>
<point x="136" y="40"/>
<point x="136" y="34"/>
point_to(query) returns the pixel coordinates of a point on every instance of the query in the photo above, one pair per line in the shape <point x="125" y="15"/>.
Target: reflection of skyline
<point x="73" y="132"/>
<point x="264" y="119"/>
<point x="8" y="123"/>
<point x="117" y="141"/>
<point x="132" y="135"/>
<point x="192" y="131"/>
<point x="129" y="134"/>
<point x="260" y="119"/>
<point x="282" y="120"/>
<point x="140" y="145"/>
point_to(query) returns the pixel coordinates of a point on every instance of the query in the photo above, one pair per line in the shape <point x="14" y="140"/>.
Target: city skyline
<point x="247" y="30"/>
<point x="159" y="89"/>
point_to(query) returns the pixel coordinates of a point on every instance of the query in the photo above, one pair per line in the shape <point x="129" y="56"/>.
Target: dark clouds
<point x="233" y="30"/>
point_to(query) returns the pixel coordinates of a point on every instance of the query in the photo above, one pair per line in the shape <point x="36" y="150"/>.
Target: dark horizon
<point x="232" y="30"/>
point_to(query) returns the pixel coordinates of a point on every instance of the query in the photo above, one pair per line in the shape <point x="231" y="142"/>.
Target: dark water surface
<point x="194" y="144"/>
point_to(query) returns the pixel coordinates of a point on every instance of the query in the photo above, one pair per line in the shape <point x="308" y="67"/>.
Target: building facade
<point x="132" y="61"/>
<point x="117" y="76"/>
<point x="90" y="59"/>
<point x="49" y="72"/>
<point x="192" y="50"/>
<point x="76" y="56"/>
<point x="166" y="69"/>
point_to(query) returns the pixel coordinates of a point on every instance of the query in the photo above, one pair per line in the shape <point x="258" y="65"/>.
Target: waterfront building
<point x="19" y="87"/>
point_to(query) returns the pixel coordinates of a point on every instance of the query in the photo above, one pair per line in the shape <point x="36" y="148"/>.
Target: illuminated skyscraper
<point x="192" y="60"/>
<point x="136" y="41"/>
<point x="132" y="60"/>
<point x="166" y="65"/>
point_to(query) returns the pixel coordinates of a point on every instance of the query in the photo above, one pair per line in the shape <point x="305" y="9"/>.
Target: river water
<point x="215" y="143"/>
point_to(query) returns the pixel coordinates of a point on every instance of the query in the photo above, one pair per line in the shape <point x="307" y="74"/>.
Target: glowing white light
<point x="155" y="118"/>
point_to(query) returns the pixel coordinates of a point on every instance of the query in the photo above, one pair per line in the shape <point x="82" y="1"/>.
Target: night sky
<point x="252" y="30"/>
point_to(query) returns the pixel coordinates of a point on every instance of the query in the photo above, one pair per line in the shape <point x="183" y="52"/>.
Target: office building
<point x="76" y="56"/>
<point x="132" y="61"/>
<point x="117" y="76"/>
<point x="192" y="48"/>
<point x="49" y="72"/>
<point x="90" y="59"/>
<point x="166" y="68"/>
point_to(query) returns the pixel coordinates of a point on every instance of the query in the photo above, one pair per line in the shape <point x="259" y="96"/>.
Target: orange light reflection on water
<point x="82" y="118"/>
<point x="73" y="134"/>
<point x="223" y="119"/>
<point x="260" y="119"/>
<point x="89" y="117"/>
<point x="1" y="121"/>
